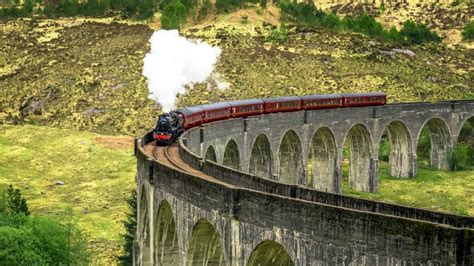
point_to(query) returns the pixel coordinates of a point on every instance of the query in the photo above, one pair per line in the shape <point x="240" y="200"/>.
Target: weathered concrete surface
<point x="295" y="141"/>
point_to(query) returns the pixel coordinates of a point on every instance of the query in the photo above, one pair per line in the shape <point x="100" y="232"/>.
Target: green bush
<point x="40" y="240"/>
<point x="367" y="24"/>
<point x="27" y="7"/>
<point x="418" y="33"/>
<point x="466" y="132"/>
<point x="393" y="35"/>
<point x="36" y="240"/>
<point x="347" y="23"/>
<point x="458" y="158"/>
<point x="301" y="13"/>
<point x="331" y="21"/>
<point x="468" y="32"/>
<point x="278" y="35"/>
<point x="382" y="7"/>
<point x="11" y="12"/>
<point x="424" y="145"/>
<point x="384" y="149"/>
<point x="455" y="2"/>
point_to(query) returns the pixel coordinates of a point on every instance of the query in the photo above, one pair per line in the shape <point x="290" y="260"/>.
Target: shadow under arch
<point x="232" y="155"/>
<point x="210" y="154"/>
<point x="439" y="144"/>
<point x="290" y="159"/>
<point x="401" y="149"/>
<point x="360" y="153"/>
<point x="166" y="241"/>
<point x="463" y="153"/>
<point x="261" y="158"/>
<point x="466" y="129"/>
<point x="270" y="253"/>
<point x="205" y="247"/>
<point x="322" y="161"/>
<point x="143" y="221"/>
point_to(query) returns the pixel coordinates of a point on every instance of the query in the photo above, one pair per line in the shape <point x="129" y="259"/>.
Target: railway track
<point x="163" y="155"/>
<point x="169" y="156"/>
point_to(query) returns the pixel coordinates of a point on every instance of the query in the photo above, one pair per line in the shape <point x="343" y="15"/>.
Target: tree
<point x="130" y="228"/>
<point x="76" y="244"/>
<point x="204" y="10"/>
<point x="468" y="31"/>
<point x="393" y="35"/>
<point x="16" y="204"/>
<point x="418" y="33"/>
<point x="146" y="9"/>
<point x="174" y="15"/>
<point x="27" y="7"/>
<point x="331" y="21"/>
<point x="368" y="25"/>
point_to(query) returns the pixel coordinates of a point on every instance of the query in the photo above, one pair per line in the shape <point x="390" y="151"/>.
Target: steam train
<point x="171" y="125"/>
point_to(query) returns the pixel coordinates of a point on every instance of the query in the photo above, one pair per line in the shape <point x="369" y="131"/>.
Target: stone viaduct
<point x="265" y="190"/>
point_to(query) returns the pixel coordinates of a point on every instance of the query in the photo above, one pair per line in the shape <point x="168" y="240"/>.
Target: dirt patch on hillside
<point x="109" y="142"/>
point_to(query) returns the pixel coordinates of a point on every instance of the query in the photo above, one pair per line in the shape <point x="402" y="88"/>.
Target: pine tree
<point x="130" y="227"/>
<point x="16" y="204"/>
<point x="27" y="7"/>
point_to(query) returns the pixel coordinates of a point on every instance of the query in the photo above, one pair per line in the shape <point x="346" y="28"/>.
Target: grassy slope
<point x="444" y="191"/>
<point x="75" y="74"/>
<point x="98" y="174"/>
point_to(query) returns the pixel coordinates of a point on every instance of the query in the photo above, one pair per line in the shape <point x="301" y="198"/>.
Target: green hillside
<point x="98" y="173"/>
<point x="87" y="75"/>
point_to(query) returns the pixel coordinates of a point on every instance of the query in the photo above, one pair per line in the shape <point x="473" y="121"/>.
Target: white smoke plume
<point x="174" y="62"/>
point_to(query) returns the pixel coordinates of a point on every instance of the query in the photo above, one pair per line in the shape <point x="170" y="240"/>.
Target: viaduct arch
<point x="249" y="216"/>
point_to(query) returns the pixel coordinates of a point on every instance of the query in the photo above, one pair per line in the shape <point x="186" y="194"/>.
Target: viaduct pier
<point x="265" y="190"/>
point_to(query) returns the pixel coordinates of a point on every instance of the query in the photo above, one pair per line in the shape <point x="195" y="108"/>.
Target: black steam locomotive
<point x="168" y="128"/>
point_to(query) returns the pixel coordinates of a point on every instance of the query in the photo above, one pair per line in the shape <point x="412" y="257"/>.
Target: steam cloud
<point x="174" y="62"/>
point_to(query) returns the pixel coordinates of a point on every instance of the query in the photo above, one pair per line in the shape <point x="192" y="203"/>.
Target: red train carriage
<point x="247" y="107"/>
<point x="283" y="104"/>
<point x="364" y="99"/>
<point x="321" y="101"/>
<point x="216" y="111"/>
<point x="191" y="116"/>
